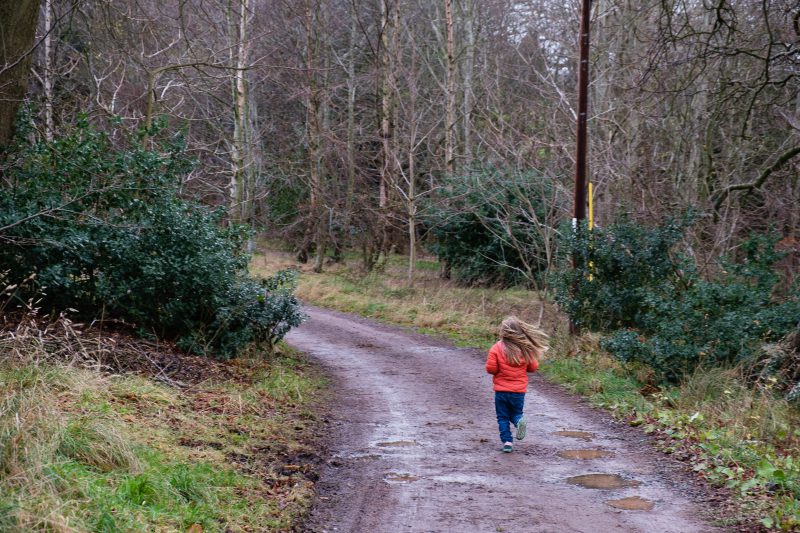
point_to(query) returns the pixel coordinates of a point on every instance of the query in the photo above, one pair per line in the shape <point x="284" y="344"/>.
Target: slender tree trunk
<point x="469" y="68"/>
<point x="387" y="84"/>
<point x="240" y="152"/>
<point x="411" y="193"/>
<point x="313" y="107"/>
<point x="323" y="125"/>
<point x="47" y="71"/>
<point x="351" y="128"/>
<point x="385" y="111"/>
<point x="450" y="92"/>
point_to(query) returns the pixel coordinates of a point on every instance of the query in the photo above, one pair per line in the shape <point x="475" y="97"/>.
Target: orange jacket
<point x="508" y="378"/>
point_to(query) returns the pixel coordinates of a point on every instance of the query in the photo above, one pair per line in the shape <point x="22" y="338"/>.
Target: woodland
<point x="444" y="128"/>
<point x="150" y="147"/>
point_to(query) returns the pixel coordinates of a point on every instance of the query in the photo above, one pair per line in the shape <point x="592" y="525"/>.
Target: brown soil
<point x="395" y="386"/>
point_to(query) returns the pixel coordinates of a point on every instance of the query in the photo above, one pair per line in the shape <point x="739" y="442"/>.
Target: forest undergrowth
<point x="170" y="442"/>
<point x="731" y="434"/>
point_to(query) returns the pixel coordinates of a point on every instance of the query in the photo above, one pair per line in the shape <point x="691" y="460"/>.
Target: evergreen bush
<point x="106" y="233"/>
<point x="493" y="227"/>
<point x="632" y="283"/>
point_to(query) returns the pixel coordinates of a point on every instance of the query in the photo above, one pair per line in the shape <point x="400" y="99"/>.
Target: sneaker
<point x="522" y="428"/>
<point x="507" y="447"/>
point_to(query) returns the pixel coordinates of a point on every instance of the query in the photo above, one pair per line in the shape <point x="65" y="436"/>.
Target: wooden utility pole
<point x="580" y="149"/>
<point x="583" y="89"/>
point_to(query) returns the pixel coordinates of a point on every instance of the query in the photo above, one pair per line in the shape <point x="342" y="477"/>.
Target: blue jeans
<point x="508" y="406"/>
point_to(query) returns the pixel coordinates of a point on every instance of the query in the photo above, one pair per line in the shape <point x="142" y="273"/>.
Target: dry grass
<point x="41" y="426"/>
<point x="83" y="449"/>
<point x="748" y="413"/>
<point x="467" y="315"/>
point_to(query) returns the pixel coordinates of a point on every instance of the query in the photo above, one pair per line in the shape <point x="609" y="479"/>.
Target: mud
<point x="633" y="503"/>
<point x="583" y="435"/>
<point x="395" y="386"/>
<point x="393" y="477"/>
<point x="602" y="481"/>
<point x="397" y="444"/>
<point x="584" y="454"/>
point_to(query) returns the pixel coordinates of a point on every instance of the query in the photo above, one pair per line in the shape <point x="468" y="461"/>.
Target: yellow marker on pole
<point x="591" y="225"/>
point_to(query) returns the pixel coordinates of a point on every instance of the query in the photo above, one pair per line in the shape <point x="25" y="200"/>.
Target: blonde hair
<point x="522" y="341"/>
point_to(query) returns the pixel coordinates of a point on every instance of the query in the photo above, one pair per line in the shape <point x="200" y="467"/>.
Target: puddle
<point x="394" y="477"/>
<point x="584" y="454"/>
<point x="634" y="503"/>
<point x="585" y="435"/>
<point x="397" y="443"/>
<point x="602" y="481"/>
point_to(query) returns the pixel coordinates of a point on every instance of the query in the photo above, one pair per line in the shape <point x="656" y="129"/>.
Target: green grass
<point x="84" y="451"/>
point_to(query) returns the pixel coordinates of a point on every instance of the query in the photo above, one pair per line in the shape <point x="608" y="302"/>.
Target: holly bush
<point x="105" y="233"/>
<point x="632" y="282"/>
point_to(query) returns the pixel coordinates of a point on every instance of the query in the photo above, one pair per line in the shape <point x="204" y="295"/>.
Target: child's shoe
<point x="522" y="428"/>
<point x="507" y="447"/>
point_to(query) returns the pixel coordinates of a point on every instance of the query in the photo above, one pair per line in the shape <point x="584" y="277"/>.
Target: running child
<point x="509" y="361"/>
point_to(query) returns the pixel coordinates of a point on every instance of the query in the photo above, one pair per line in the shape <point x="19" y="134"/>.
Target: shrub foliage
<point x="632" y="282"/>
<point x="105" y="232"/>
<point x="494" y="227"/>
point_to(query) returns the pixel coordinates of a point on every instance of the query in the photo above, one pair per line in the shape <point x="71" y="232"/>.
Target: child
<point x="509" y="361"/>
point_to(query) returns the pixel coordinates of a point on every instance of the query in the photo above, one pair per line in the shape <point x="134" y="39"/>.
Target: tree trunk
<point x="450" y="92"/>
<point x="18" y="21"/>
<point x="47" y="71"/>
<point x="241" y="161"/>
<point x="316" y="215"/>
<point x="387" y="178"/>
<point x="351" y="131"/>
<point x="469" y="67"/>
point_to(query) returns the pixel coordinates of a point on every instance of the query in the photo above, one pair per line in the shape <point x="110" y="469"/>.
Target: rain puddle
<point x="584" y="454"/>
<point x="397" y="444"/>
<point x="634" y="503"/>
<point x="394" y="477"/>
<point x="602" y="481"/>
<point x="585" y="435"/>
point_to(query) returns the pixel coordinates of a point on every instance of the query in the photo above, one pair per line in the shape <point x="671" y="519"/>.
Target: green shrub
<point x="106" y="233"/>
<point x="494" y="227"/>
<point x="618" y="268"/>
<point x="631" y="282"/>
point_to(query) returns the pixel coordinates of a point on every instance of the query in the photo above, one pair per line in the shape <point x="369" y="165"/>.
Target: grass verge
<point x="732" y="435"/>
<point x="87" y="450"/>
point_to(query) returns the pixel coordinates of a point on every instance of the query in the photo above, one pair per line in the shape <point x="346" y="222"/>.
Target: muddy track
<point x="414" y="447"/>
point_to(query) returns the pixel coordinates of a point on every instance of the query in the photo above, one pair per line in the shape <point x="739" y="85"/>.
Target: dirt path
<point x="415" y="446"/>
